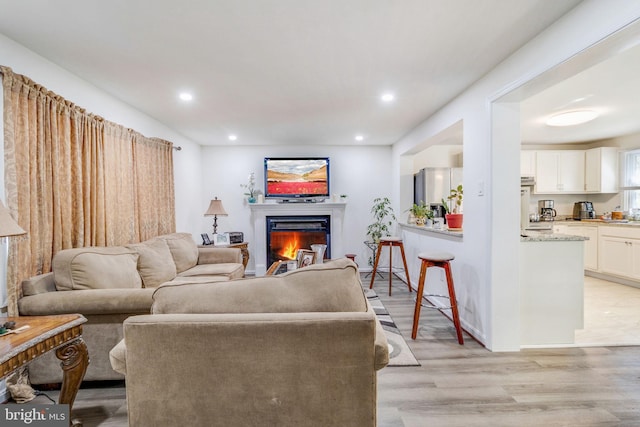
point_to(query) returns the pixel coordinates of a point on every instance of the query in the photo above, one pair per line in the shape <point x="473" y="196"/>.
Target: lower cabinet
<point x="590" y="246"/>
<point x="620" y="251"/>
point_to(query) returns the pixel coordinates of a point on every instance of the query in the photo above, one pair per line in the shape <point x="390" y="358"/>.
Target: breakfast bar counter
<point x="443" y="232"/>
<point x="551" y="282"/>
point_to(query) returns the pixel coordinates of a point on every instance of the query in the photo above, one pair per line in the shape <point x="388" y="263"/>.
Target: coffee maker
<point x="547" y="212"/>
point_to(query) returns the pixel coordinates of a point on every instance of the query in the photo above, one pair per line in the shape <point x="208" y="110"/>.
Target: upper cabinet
<point x="560" y="171"/>
<point x="601" y="170"/>
<point x="527" y="163"/>
<point x="572" y="171"/>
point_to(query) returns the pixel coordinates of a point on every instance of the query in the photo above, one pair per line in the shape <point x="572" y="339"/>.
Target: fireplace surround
<point x="287" y="234"/>
<point x="260" y="212"/>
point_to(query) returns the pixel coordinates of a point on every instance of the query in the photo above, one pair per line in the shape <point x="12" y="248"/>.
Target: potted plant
<point x="384" y="216"/>
<point x="421" y="213"/>
<point x="453" y="214"/>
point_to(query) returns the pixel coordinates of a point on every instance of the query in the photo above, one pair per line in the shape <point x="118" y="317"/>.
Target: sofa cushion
<point x="155" y="263"/>
<point x="40" y="284"/>
<point x="332" y="286"/>
<point x="88" y="301"/>
<point x="95" y="268"/>
<point x="183" y="250"/>
<point x="227" y="269"/>
<point x="118" y="358"/>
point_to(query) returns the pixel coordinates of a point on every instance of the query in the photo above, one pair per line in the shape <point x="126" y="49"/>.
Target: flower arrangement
<point x="250" y="186"/>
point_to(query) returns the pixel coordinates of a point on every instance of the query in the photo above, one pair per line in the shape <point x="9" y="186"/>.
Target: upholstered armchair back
<point x="298" y="349"/>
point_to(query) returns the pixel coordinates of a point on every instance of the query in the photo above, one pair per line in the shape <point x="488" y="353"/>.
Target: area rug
<point x="399" y="352"/>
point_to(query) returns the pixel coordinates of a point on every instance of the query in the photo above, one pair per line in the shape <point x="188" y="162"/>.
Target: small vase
<point x="319" y="250"/>
<point x="420" y="221"/>
<point x="252" y="199"/>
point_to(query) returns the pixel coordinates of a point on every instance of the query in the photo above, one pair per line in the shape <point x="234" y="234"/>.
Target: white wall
<point x="491" y="229"/>
<point x="361" y="172"/>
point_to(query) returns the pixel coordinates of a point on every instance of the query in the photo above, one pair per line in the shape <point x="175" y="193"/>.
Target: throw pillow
<point x="183" y="250"/>
<point x="155" y="263"/>
<point x="95" y="268"/>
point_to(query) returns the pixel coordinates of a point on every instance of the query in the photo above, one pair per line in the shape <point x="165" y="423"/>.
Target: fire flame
<point x="290" y="249"/>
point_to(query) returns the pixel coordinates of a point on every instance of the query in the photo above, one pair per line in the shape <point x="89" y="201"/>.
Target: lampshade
<point x="8" y="227"/>
<point x="216" y="208"/>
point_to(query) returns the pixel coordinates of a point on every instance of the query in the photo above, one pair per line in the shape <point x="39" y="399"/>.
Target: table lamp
<point x="215" y="209"/>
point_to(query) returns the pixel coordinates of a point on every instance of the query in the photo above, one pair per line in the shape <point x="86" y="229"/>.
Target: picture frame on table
<point x="222" y="239"/>
<point x="305" y="257"/>
<point x="205" y="239"/>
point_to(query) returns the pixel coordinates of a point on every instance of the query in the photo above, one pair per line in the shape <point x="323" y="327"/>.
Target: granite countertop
<point x="617" y="223"/>
<point x="537" y="236"/>
<point x="444" y="231"/>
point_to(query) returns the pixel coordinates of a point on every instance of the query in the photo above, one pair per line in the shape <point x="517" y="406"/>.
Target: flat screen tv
<point x="296" y="178"/>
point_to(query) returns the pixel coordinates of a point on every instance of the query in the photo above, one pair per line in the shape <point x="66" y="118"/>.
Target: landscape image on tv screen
<point x="297" y="177"/>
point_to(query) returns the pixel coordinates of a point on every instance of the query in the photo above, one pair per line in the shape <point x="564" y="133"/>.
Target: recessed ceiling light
<point x="359" y="138"/>
<point x="233" y="137"/>
<point x="571" y="118"/>
<point x="186" y="96"/>
<point x="387" y="97"/>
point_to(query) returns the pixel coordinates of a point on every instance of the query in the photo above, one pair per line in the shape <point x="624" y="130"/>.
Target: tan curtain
<point x="73" y="179"/>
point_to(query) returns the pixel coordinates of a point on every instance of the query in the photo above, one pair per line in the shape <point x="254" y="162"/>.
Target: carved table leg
<point x="75" y="360"/>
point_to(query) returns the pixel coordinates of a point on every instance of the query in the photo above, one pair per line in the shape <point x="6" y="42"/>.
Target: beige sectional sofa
<point x="109" y="284"/>
<point x="298" y="349"/>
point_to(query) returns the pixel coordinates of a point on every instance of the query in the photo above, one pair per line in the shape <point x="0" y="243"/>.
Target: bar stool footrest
<point x="429" y="305"/>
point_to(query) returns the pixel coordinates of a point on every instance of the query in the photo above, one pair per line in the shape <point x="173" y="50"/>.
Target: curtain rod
<point x="177" y="148"/>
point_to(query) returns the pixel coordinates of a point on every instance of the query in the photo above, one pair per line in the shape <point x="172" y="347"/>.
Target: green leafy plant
<point x="455" y="196"/>
<point x="446" y="206"/>
<point x="383" y="219"/>
<point x="421" y="210"/>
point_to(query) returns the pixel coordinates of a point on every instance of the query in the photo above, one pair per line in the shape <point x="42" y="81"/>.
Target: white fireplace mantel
<point x="260" y="212"/>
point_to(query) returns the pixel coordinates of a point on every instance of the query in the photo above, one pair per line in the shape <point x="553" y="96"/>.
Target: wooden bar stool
<point x="442" y="260"/>
<point x="390" y="242"/>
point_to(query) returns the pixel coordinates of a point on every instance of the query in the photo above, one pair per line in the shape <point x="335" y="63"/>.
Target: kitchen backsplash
<point x="563" y="203"/>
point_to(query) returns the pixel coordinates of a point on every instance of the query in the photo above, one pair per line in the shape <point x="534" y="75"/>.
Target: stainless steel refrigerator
<point x="431" y="185"/>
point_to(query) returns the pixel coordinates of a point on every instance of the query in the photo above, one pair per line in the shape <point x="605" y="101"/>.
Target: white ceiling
<point x="611" y="88"/>
<point x="280" y="71"/>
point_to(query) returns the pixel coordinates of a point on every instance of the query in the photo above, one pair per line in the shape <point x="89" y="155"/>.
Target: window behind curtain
<point x="631" y="179"/>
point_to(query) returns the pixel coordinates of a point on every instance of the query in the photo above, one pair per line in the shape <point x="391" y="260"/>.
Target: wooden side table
<point x="244" y="248"/>
<point x="62" y="333"/>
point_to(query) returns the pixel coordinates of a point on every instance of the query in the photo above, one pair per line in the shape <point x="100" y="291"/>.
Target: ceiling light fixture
<point x="387" y="97"/>
<point x="359" y="138"/>
<point x="571" y="118"/>
<point x="185" y="96"/>
<point x="233" y="137"/>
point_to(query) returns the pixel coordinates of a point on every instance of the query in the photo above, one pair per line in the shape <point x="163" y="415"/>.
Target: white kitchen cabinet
<point x="527" y="163"/>
<point x="620" y="251"/>
<point x="601" y="170"/>
<point x="560" y="171"/>
<point x="590" y="246"/>
<point x="561" y="228"/>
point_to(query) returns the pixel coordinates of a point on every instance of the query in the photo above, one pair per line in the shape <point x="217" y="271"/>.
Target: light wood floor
<point x="611" y="314"/>
<point x="468" y="385"/>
